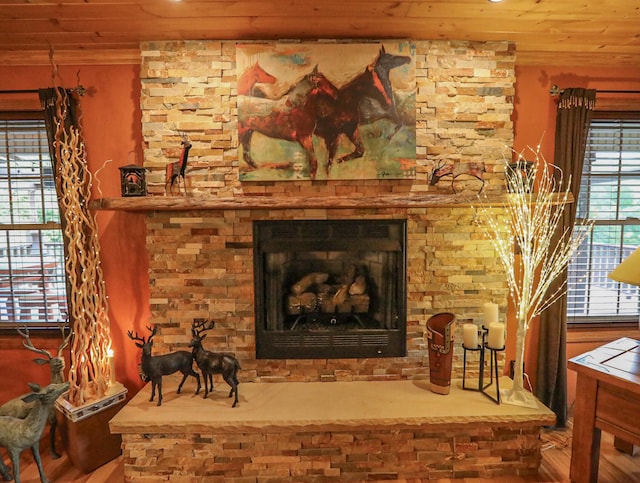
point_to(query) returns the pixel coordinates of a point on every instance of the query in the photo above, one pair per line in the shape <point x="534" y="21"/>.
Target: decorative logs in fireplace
<point x="330" y="288"/>
<point x="312" y="293"/>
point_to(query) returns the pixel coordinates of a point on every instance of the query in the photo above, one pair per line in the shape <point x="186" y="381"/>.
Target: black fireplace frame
<point x="284" y="236"/>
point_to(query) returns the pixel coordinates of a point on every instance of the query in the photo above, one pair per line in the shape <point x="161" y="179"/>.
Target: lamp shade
<point x="629" y="270"/>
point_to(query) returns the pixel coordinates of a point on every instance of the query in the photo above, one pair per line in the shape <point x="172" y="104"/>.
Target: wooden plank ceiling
<point x="546" y="32"/>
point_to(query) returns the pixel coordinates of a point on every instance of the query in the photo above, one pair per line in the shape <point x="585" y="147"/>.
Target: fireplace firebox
<point x="330" y="288"/>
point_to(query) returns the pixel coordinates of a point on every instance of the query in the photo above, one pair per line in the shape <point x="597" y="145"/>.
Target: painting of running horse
<point x="326" y="111"/>
<point x="290" y="118"/>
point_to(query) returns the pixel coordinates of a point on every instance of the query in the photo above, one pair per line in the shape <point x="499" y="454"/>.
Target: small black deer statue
<point x="154" y="367"/>
<point x="213" y="362"/>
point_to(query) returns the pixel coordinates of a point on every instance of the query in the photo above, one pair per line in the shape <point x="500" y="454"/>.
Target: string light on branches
<point x="532" y="245"/>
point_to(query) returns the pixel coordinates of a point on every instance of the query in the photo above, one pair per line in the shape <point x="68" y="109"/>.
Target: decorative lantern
<point x="132" y="180"/>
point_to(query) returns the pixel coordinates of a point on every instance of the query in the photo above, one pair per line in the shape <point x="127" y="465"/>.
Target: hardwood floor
<point x="615" y="467"/>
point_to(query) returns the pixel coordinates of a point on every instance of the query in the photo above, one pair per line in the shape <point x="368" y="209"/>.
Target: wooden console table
<point x="608" y="398"/>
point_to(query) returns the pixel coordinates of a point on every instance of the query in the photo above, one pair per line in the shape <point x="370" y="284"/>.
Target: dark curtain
<point x="575" y="110"/>
<point x="54" y="101"/>
<point x="56" y="104"/>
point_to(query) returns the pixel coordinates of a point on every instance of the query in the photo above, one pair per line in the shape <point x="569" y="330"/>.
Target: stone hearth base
<point x="326" y="432"/>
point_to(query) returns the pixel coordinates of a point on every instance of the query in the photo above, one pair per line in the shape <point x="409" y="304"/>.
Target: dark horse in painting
<point x="292" y="118"/>
<point x="365" y="99"/>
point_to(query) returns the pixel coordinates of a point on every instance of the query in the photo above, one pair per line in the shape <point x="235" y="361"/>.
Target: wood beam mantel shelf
<point x="190" y="203"/>
<point x="203" y="202"/>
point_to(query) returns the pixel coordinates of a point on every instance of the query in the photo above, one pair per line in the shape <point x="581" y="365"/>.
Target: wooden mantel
<point x="202" y="202"/>
<point x="267" y="202"/>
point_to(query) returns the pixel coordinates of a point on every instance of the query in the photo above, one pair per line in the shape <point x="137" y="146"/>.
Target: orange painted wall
<point x="111" y="121"/>
<point x="112" y="130"/>
<point x="534" y="123"/>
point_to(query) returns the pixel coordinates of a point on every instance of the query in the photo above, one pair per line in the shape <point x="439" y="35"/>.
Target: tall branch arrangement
<point x="89" y="373"/>
<point x="533" y="246"/>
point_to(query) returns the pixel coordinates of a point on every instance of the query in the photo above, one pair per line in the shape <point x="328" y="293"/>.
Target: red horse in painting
<point x="365" y="99"/>
<point x="291" y="118"/>
<point x="252" y="76"/>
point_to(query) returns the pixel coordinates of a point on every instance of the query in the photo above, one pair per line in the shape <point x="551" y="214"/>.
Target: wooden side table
<point x="608" y="398"/>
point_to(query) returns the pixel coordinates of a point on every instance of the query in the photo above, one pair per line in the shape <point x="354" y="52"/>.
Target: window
<point x="610" y="196"/>
<point x="32" y="280"/>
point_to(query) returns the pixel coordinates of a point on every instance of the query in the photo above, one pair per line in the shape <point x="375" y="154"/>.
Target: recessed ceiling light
<point x="495" y="1"/>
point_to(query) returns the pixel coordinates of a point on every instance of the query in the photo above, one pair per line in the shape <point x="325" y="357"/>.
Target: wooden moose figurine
<point x="18" y="408"/>
<point x="211" y="363"/>
<point x="17" y="434"/>
<point x="154" y="367"/>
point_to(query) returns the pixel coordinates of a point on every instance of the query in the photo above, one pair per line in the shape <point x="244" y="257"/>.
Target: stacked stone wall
<point x="397" y="453"/>
<point x="201" y="262"/>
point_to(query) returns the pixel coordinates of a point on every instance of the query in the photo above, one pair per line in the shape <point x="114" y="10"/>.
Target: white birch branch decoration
<point x="530" y="222"/>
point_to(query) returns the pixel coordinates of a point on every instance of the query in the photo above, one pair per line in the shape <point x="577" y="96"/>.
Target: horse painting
<point x="356" y="105"/>
<point x="292" y="118"/>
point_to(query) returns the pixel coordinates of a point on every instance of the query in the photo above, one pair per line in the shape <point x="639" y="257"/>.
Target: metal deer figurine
<point x="177" y="169"/>
<point x="154" y="367"/>
<point x="213" y="362"/>
<point x="472" y="168"/>
<point x="17" y="434"/>
<point x="18" y="408"/>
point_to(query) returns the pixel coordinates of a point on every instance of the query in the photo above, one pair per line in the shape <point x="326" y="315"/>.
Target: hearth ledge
<point x="318" y="406"/>
<point x="330" y="432"/>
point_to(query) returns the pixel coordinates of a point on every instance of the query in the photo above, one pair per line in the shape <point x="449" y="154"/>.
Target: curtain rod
<point x="555" y="90"/>
<point x="618" y="92"/>
<point x="23" y="91"/>
<point x="79" y="89"/>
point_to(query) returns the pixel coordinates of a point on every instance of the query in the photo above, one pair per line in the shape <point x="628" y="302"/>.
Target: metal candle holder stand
<point x="493" y="367"/>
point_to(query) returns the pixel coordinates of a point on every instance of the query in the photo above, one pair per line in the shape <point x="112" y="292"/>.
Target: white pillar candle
<point x="470" y="336"/>
<point x="495" y="338"/>
<point x="112" y="367"/>
<point x="490" y="313"/>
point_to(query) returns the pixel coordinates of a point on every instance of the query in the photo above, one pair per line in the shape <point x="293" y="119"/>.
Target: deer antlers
<point x="29" y="345"/>
<point x="135" y="337"/>
<point x="198" y="326"/>
<point x="153" y="331"/>
<point x="185" y="138"/>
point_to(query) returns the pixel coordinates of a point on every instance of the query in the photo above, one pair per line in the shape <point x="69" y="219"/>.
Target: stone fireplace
<point x="202" y="254"/>
<point x="330" y="288"/>
<point x="272" y="261"/>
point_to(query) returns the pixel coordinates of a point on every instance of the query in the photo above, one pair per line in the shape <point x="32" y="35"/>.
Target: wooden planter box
<point x="85" y="430"/>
